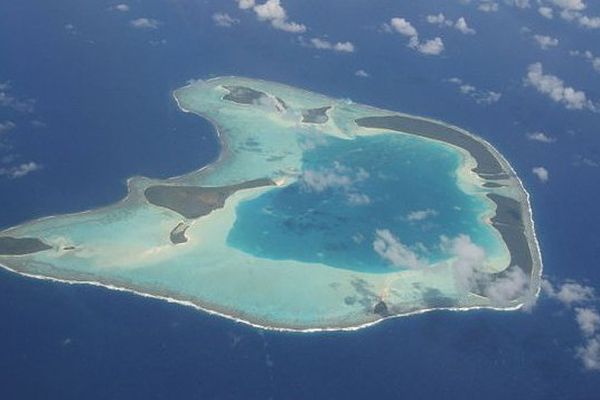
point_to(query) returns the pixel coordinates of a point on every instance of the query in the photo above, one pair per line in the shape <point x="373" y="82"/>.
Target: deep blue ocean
<point x="105" y="112"/>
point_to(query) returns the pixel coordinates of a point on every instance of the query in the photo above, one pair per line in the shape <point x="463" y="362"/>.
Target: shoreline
<point x="187" y="303"/>
<point x="223" y="153"/>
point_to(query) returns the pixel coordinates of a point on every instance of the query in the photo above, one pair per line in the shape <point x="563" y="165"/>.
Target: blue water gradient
<point x="399" y="175"/>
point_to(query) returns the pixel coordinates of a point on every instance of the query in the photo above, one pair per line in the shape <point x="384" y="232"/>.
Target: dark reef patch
<point x="487" y="164"/>
<point x="195" y="201"/>
<point x="177" y="235"/>
<point x="243" y="95"/>
<point x="315" y="115"/>
<point x="19" y="246"/>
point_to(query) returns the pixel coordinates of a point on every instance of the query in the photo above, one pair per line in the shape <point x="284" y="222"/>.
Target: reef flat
<point x="320" y="214"/>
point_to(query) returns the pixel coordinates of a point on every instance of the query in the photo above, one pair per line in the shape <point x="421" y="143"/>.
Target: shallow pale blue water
<point x="398" y="175"/>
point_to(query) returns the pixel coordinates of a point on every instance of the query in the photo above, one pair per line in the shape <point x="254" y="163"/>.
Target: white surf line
<point x="254" y="324"/>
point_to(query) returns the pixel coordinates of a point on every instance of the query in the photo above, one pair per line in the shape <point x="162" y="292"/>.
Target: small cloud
<point x="7" y="126"/>
<point x="569" y="293"/>
<point x="511" y="285"/>
<point x="361" y="73"/>
<point x="588" y="320"/>
<point x="575" y="5"/>
<point x="20" y="171"/>
<point x="488" y="6"/>
<point x="273" y="12"/>
<point x="541" y="173"/>
<point x="546" y="12"/>
<point x="589" y="56"/>
<point x="7" y="99"/>
<point x="224" y="20"/>
<point x="119" y="7"/>
<point x="540" y="137"/>
<point x="323" y="44"/>
<point x="358" y="199"/>
<point x="405" y="28"/>
<point x="395" y="252"/>
<point x="431" y="47"/>
<point x="70" y="28"/>
<point x="420" y="215"/>
<point x="484" y="97"/>
<point x="468" y="260"/>
<point x="519" y="3"/>
<point x="589" y="22"/>
<point x="589" y="354"/>
<point x="144" y="23"/>
<point x="245" y="4"/>
<point x="545" y="42"/>
<point x="36" y="123"/>
<point x="555" y="89"/>
<point x="461" y="26"/>
<point x="585" y="161"/>
<point x="337" y="177"/>
<point x="439" y="19"/>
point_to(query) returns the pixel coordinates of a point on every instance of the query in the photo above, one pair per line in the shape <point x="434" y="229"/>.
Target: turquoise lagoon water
<point x="392" y="177"/>
<point x="299" y="255"/>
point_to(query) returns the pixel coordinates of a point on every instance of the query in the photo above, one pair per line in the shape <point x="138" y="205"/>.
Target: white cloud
<point x="588" y="320"/>
<point x="6" y="126"/>
<point x="393" y="251"/>
<point x="403" y="27"/>
<point x="337" y="177"/>
<point x="468" y="258"/>
<point x="323" y="44"/>
<point x="468" y="266"/>
<point x="432" y="47"/>
<point x="541" y="173"/>
<point x="488" y="6"/>
<point x="70" y="28"/>
<point x="119" y="7"/>
<point x="10" y="101"/>
<point x="144" y="23"/>
<point x="571" y="10"/>
<point x="420" y="215"/>
<point x="589" y="354"/>
<point x="272" y="11"/>
<point x="358" y="199"/>
<point x="292" y="27"/>
<point x="589" y="56"/>
<point x="519" y="3"/>
<point x="245" y="4"/>
<point x="19" y="171"/>
<point x="224" y="20"/>
<point x="546" y="12"/>
<point x="545" y="42"/>
<point x="362" y="73"/>
<point x="569" y="293"/>
<point x="484" y="97"/>
<point x="461" y="25"/>
<point x="439" y="19"/>
<point x="574" y="5"/>
<point x="589" y="22"/>
<point x="513" y="284"/>
<point x="540" y="137"/>
<point x="555" y="89"/>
